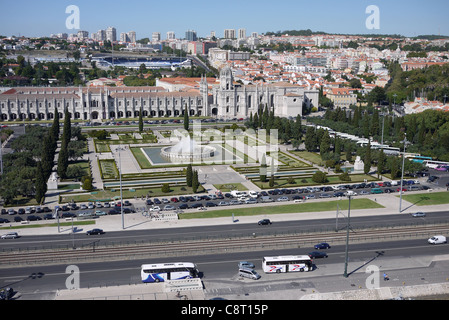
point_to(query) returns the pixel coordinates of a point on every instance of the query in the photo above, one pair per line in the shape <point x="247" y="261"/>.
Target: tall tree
<point x="141" y="120"/>
<point x="189" y="175"/>
<point x="367" y="159"/>
<point x="186" y="119"/>
<point x="310" y="139"/>
<point x="63" y="158"/>
<point x="325" y="143"/>
<point x="40" y="183"/>
<point x="195" y="182"/>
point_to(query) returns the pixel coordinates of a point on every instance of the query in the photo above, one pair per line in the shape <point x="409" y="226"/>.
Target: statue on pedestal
<point x="358" y="164"/>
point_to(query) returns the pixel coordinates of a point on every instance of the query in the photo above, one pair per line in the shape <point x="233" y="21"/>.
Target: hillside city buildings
<point x="254" y="70"/>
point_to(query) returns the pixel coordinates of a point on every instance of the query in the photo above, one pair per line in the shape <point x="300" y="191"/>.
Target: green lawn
<point x="427" y="199"/>
<point x="309" y="206"/>
<point x="44" y="225"/>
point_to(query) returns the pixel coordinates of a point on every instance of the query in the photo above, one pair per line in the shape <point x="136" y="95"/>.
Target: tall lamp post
<point x="121" y="187"/>
<point x="402" y="176"/>
<point x="345" y="274"/>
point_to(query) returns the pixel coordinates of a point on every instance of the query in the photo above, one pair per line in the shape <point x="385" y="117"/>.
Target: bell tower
<point x="226" y="79"/>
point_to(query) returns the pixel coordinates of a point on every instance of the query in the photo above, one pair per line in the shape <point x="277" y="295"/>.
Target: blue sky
<point x="44" y="17"/>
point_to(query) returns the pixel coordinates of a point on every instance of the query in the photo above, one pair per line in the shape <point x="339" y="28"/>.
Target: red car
<point x="403" y="189"/>
<point x="174" y="200"/>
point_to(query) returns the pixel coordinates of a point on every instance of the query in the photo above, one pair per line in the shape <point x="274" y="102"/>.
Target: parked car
<point x="95" y="232"/>
<point x="68" y="215"/>
<point x="48" y="216"/>
<point x="322" y="245"/>
<point x="33" y="218"/>
<point x="281" y="199"/>
<point x="264" y="222"/>
<point x="317" y="254"/>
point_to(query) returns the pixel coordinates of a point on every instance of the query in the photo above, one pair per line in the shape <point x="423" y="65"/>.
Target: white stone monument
<point x="358" y="164"/>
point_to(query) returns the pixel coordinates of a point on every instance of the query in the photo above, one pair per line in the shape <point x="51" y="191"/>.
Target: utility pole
<point x="402" y="176"/>
<point x="345" y="274"/>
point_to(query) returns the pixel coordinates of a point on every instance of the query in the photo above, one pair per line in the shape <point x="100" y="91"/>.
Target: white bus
<point x="168" y="271"/>
<point x="287" y="264"/>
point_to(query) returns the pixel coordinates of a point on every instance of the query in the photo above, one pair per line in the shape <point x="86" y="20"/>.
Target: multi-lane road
<point x="217" y="268"/>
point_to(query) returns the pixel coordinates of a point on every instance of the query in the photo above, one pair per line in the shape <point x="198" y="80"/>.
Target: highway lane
<point x="41" y="282"/>
<point x="80" y="239"/>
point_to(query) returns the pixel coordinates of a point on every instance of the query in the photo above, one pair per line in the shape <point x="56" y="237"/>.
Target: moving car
<point x="95" y="232"/>
<point x="418" y="214"/>
<point x="264" y="222"/>
<point x="317" y="254"/>
<point x="10" y="235"/>
<point x="246" y="265"/>
<point x="322" y="245"/>
<point x="249" y="273"/>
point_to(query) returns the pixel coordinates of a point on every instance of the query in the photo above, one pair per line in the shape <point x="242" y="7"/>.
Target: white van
<point x="249" y="273"/>
<point x="437" y="240"/>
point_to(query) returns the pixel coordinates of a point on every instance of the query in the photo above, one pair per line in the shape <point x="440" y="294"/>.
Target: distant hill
<point x="309" y="32"/>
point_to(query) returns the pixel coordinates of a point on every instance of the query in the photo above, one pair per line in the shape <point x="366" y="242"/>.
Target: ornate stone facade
<point x="223" y="99"/>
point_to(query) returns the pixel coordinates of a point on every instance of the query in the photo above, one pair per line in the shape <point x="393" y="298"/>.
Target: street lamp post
<point x="402" y="176"/>
<point x="345" y="274"/>
<point x="121" y="187"/>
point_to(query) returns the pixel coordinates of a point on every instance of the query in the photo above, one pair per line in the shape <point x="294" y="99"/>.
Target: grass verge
<point x="311" y="206"/>
<point x="427" y="199"/>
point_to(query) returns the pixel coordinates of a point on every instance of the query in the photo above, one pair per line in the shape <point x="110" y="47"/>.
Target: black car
<point x="149" y="202"/>
<point x="18" y="219"/>
<point x="317" y="254"/>
<point x="68" y="215"/>
<point x="95" y="232"/>
<point x="2" y="220"/>
<point x="33" y="218"/>
<point x="21" y="211"/>
<point x="264" y="222"/>
<point x="113" y="212"/>
<point x="184" y="206"/>
<point x="48" y="216"/>
<point x="211" y="204"/>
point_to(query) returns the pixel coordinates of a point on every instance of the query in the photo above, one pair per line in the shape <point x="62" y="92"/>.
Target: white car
<point x="253" y="194"/>
<point x="10" y="235"/>
<point x="155" y="209"/>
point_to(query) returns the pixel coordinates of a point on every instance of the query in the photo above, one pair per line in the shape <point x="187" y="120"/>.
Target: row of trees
<point x="428" y="132"/>
<point x="192" y="178"/>
<point x="289" y="130"/>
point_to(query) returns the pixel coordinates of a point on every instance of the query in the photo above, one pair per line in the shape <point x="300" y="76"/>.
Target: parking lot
<point x="197" y="202"/>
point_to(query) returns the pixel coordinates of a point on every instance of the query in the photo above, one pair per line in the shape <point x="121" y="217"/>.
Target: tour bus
<point x="287" y="264"/>
<point x="168" y="271"/>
